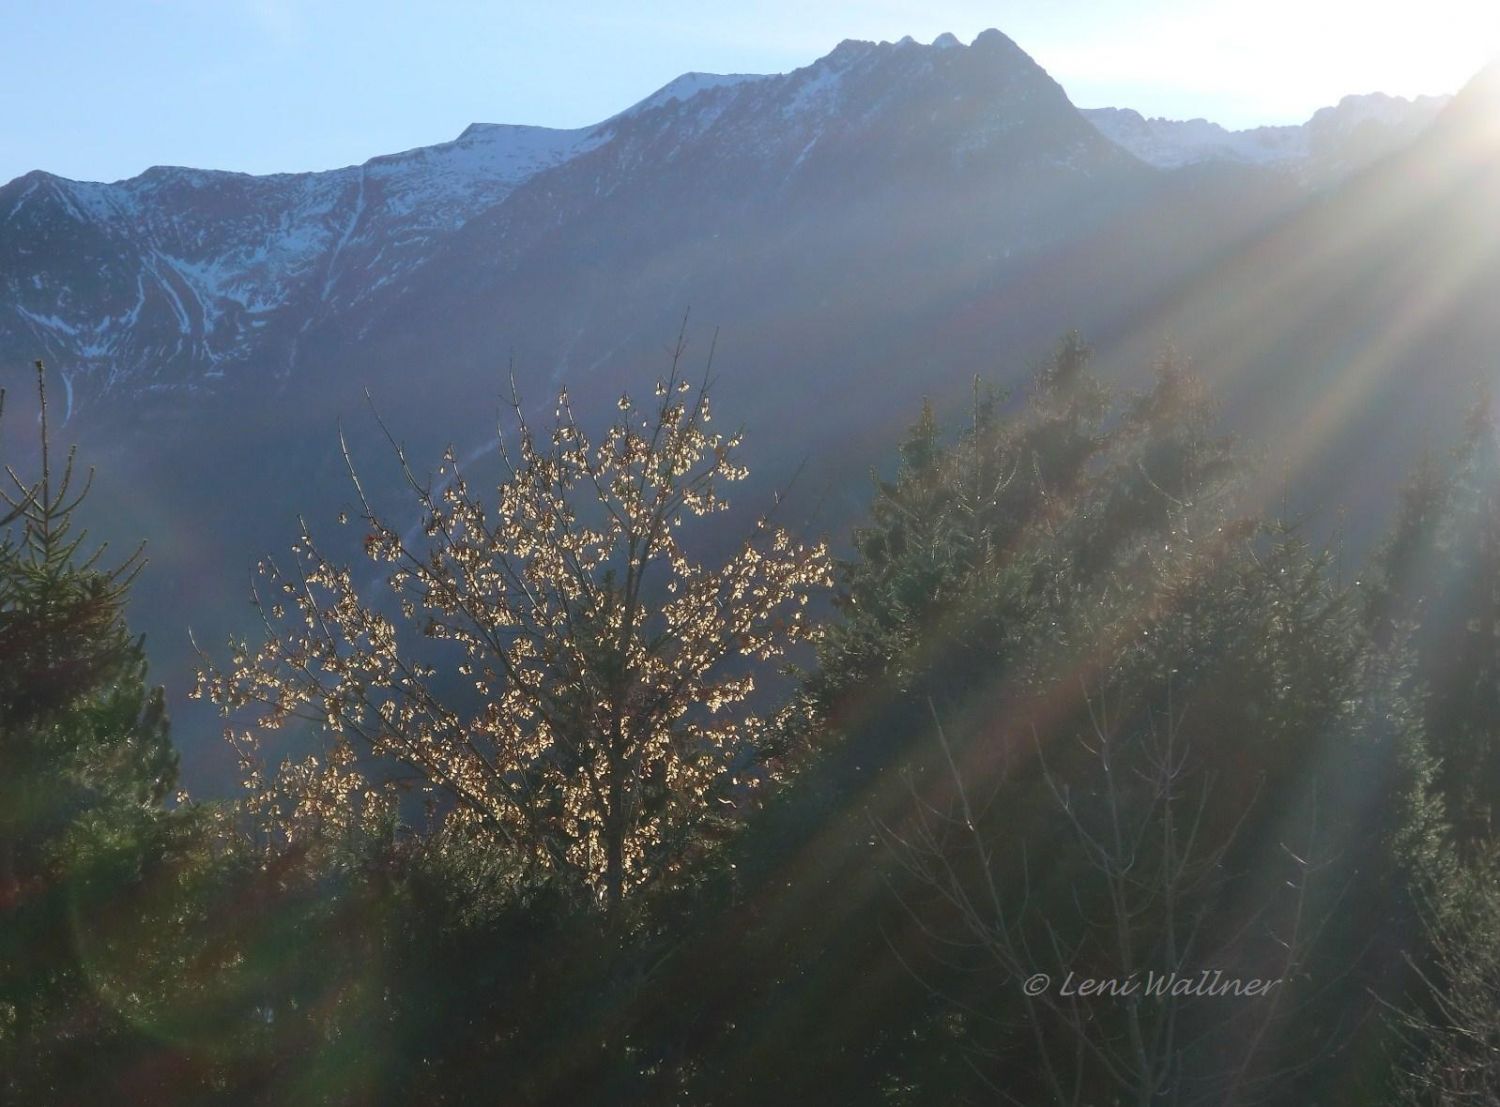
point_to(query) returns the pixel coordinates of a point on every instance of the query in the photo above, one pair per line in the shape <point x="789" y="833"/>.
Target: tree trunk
<point x="10" y="884"/>
<point x="614" y="830"/>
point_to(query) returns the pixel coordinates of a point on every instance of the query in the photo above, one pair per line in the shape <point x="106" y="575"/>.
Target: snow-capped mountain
<point x="1173" y="143"/>
<point x="172" y="277"/>
<point x="880" y="225"/>
<point x="1333" y="143"/>
<point x="760" y="198"/>
<point x="180" y="279"/>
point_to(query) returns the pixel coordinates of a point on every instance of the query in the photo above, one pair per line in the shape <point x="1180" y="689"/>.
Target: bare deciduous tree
<point x="1110" y="978"/>
<point x="557" y="667"/>
<point x="1452" y="1030"/>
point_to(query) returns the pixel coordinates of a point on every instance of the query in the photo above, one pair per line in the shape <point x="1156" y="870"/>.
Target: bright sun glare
<point x="1272" y="61"/>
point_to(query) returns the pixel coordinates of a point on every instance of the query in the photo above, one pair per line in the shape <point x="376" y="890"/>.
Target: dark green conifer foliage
<point x="952" y="525"/>
<point x="1438" y="581"/>
<point x="1147" y="735"/>
<point x="77" y="725"/>
<point x="1070" y="574"/>
<point x="84" y="751"/>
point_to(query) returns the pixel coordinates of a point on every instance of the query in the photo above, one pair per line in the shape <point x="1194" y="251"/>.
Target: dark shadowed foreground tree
<point x="1079" y="713"/>
<point x="1452" y="1024"/>
<point x="1165" y="746"/>
<point x="550" y="666"/>
<point x="1437" y="580"/>
<point x="72" y="699"/>
<point x="85" y="763"/>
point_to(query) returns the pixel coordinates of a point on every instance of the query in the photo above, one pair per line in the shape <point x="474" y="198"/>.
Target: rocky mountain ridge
<point x="178" y="278"/>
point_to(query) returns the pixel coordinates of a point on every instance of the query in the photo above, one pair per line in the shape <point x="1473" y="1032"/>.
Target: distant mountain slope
<point x="175" y="277"/>
<point x="1334" y="143"/>
<point x="877" y="226"/>
<point x="180" y="280"/>
<point x="1352" y="333"/>
<point x="807" y="212"/>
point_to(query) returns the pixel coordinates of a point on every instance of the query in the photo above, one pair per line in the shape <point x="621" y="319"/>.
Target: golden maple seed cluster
<point x="551" y="668"/>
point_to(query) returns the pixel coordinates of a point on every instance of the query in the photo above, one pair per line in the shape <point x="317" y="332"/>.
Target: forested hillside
<point x="867" y="230"/>
<point x="1092" y="783"/>
<point x="1033" y="638"/>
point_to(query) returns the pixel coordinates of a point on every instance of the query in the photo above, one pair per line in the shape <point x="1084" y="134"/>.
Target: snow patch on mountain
<point x="688" y="86"/>
<point x="1357" y="129"/>
<point x="479" y="167"/>
<point x="184" y="273"/>
<point x="1170" y="143"/>
<point x="221" y="253"/>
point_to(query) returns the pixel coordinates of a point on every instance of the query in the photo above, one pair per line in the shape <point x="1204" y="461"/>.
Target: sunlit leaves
<point x="610" y="669"/>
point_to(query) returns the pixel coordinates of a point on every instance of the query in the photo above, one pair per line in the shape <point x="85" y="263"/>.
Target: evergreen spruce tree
<point x="1055" y="621"/>
<point x="954" y="523"/>
<point x="1437" y="581"/>
<point x="83" y="741"/>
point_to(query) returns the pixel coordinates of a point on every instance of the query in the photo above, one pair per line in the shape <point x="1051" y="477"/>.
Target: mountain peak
<point x="1332" y="143"/>
<point x="1483" y="92"/>
<point x="994" y="39"/>
<point x="1380" y="107"/>
<point x="1473" y="116"/>
<point x="687" y="86"/>
<point x="850" y="49"/>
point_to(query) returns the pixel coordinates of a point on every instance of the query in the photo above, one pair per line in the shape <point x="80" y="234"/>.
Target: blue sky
<point x="101" y="89"/>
